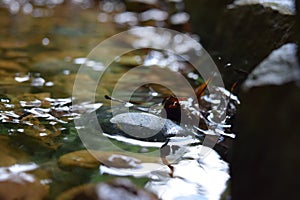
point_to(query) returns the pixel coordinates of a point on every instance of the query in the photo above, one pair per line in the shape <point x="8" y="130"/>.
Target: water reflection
<point x="180" y="18"/>
<point x="197" y="175"/>
<point x="39" y="60"/>
<point x="154" y="14"/>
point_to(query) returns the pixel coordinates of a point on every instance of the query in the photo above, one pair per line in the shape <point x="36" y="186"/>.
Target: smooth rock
<point x="116" y="189"/>
<point x="137" y="125"/>
<point x="92" y="159"/>
<point x="246" y="35"/>
<point x="283" y="6"/>
<point x="265" y="162"/>
<point x="15" y="183"/>
<point x="146" y="125"/>
<point x="9" y="154"/>
<point x="280" y="67"/>
<point x="265" y="152"/>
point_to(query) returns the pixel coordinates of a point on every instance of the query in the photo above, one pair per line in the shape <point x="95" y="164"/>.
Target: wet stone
<point x="131" y="61"/>
<point x="11" y="66"/>
<point x="6" y="78"/>
<point x="92" y="159"/>
<point x="81" y="192"/>
<point x="17" y="184"/>
<point x="122" y="188"/>
<point x="16" y="54"/>
<point x="116" y="189"/>
<point x="35" y="118"/>
<point x="9" y="154"/>
<point x="280" y="67"/>
<point x="12" y="44"/>
<point x="283" y="6"/>
<point x="138" y="125"/>
<point x="267" y="123"/>
<point x="78" y="159"/>
<point x="235" y="41"/>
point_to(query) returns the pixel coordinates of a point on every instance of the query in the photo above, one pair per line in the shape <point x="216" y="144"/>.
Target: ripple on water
<point x="199" y="172"/>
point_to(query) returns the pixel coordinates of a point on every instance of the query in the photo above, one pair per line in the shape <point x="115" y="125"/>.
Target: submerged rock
<point x="92" y="159"/>
<point x="78" y="159"/>
<point x="81" y="192"/>
<point x="15" y="183"/>
<point x="122" y="189"/>
<point x="130" y="60"/>
<point x="9" y="154"/>
<point x="116" y="189"/>
<point x="11" y="66"/>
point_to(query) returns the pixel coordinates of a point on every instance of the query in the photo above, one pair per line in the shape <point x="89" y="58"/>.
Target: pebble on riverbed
<point x="16" y="183"/>
<point x="9" y="155"/>
<point x="116" y="189"/>
<point x="92" y="159"/>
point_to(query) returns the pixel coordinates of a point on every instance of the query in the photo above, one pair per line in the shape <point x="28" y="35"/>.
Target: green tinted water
<point x="40" y="53"/>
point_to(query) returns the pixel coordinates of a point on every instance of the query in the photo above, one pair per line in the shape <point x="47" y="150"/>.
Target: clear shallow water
<point x="42" y="47"/>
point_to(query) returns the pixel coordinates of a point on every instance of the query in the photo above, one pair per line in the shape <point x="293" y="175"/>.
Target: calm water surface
<point x="41" y="48"/>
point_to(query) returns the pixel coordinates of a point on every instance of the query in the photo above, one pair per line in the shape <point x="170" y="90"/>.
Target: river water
<point x="42" y="46"/>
